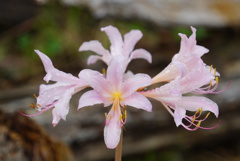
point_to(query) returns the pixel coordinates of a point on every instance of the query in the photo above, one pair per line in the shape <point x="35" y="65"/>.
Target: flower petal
<point x="195" y="79"/>
<point x="137" y="100"/>
<point x="97" y="81"/>
<point x="179" y="114"/>
<point x="130" y="40"/>
<point x="115" y="39"/>
<point x="193" y="103"/>
<point x="62" y="106"/>
<point x="94" y="46"/>
<point x="173" y="71"/>
<point x="52" y="92"/>
<point x="55" y="74"/>
<point x="142" y="54"/>
<point x="135" y="82"/>
<point x="56" y="117"/>
<point x="92" y="59"/>
<point x="115" y="71"/>
<point x="113" y="128"/>
<point x="90" y="98"/>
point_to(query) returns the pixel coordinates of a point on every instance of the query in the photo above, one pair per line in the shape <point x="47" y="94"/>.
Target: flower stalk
<point x="118" y="150"/>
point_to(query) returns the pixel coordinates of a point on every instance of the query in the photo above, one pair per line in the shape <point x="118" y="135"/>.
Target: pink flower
<point x="56" y="95"/>
<point x="118" y="47"/>
<point x="184" y="61"/>
<point x="187" y="73"/>
<point x="117" y="90"/>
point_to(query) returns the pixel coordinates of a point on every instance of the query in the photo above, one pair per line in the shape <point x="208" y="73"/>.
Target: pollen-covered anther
<point x="121" y="117"/>
<point x="217" y="80"/>
<point x="211" y="67"/>
<point x="35" y="96"/>
<point x="103" y="71"/>
<point x="33" y="106"/>
<point x="199" y="123"/>
<point x="215" y="71"/>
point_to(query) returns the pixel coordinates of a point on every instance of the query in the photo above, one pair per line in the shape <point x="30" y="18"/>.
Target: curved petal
<point x="115" y="39"/>
<point x="179" y="114"/>
<point x="193" y="103"/>
<point x="141" y="54"/>
<point x="128" y="75"/>
<point x="93" y="58"/>
<point x="47" y="63"/>
<point x="130" y="40"/>
<point x="56" y="117"/>
<point x="172" y="71"/>
<point x="97" y="81"/>
<point x="195" y="79"/>
<point x="200" y="50"/>
<point x="90" y="98"/>
<point x="115" y="72"/>
<point x="55" y="74"/>
<point x="62" y="106"/>
<point x="51" y="93"/>
<point x="135" y="82"/>
<point x="94" y="46"/>
<point x="113" y="128"/>
<point x="138" y="101"/>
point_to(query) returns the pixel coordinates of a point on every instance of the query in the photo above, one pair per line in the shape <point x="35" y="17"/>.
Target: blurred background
<point x="59" y="27"/>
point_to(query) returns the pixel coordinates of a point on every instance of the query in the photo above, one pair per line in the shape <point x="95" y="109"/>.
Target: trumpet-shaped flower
<point x="184" y="61"/>
<point x="117" y="90"/>
<point x="118" y="47"/>
<point x="187" y="73"/>
<point x="56" y="95"/>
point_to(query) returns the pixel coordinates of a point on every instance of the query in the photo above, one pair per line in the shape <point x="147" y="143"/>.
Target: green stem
<point x="118" y="150"/>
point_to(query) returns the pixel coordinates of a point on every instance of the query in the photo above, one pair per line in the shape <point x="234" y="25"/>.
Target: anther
<point x="216" y="79"/>
<point x="199" y="123"/>
<point x="207" y="115"/>
<point x="121" y="117"/>
<point x="34" y="96"/>
<point x="211" y="67"/>
<point x="215" y="71"/>
<point x="103" y="71"/>
<point x="33" y="106"/>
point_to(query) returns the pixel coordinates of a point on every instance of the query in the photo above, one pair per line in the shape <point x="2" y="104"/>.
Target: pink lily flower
<point x="118" y="47"/>
<point x="56" y="95"/>
<point x="187" y="73"/>
<point x="184" y="61"/>
<point x="115" y="89"/>
<point x="170" y="95"/>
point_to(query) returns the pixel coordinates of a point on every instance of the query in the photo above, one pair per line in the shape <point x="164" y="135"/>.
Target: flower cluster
<point x="187" y="73"/>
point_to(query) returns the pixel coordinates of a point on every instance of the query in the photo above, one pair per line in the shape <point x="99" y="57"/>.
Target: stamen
<point x="121" y="117"/>
<point x="103" y="71"/>
<point x="194" y="118"/>
<point x="34" y="96"/>
<point x="211" y="67"/>
<point x="215" y="71"/>
<point x="33" y="106"/>
<point x="210" y="84"/>
<point x="216" y="79"/>
<point x="198" y="124"/>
